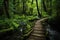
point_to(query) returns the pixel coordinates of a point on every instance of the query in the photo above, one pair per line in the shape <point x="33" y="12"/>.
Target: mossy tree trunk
<point x="6" y="7"/>
<point x="39" y="13"/>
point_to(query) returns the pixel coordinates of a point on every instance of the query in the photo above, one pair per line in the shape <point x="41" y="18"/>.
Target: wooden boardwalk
<point x="38" y="31"/>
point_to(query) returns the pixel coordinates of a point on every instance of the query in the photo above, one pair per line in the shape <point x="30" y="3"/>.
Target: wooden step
<point x="39" y="32"/>
<point x="36" y="38"/>
<point x="38" y="35"/>
<point x="31" y="39"/>
<point x="39" y="29"/>
<point x="38" y="25"/>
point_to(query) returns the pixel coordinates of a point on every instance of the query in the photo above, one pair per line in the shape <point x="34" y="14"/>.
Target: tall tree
<point x="44" y="6"/>
<point x="6" y="6"/>
<point x="14" y="4"/>
<point x="47" y="6"/>
<point x="39" y="13"/>
<point x="32" y="2"/>
<point x="50" y="6"/>
<point x="24" y="6"/>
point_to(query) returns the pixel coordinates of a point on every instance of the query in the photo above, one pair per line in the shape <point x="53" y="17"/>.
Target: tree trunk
<point x="32" y="2"/>
<point x="6" y="6"/>
<point x="24" y="9"/>
<point x="39" y="14"/>
<point x="44" y="6"/>
<point x="14" y="7"/>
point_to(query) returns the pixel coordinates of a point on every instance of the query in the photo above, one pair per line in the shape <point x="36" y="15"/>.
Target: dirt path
<point x="38" y="31"/>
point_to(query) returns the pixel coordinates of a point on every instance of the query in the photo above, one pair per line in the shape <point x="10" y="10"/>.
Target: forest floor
<point x="38" y="31"/>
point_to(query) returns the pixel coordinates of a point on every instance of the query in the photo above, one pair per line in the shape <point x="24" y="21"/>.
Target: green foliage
<point x="26" y="11"/>
<point x="17" y="15"/>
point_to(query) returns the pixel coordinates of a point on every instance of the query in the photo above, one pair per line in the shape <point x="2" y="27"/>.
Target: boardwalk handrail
<point x="43" y="19"/>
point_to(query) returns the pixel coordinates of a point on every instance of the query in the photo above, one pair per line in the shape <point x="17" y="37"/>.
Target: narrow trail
<point x="38" y="31"/>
